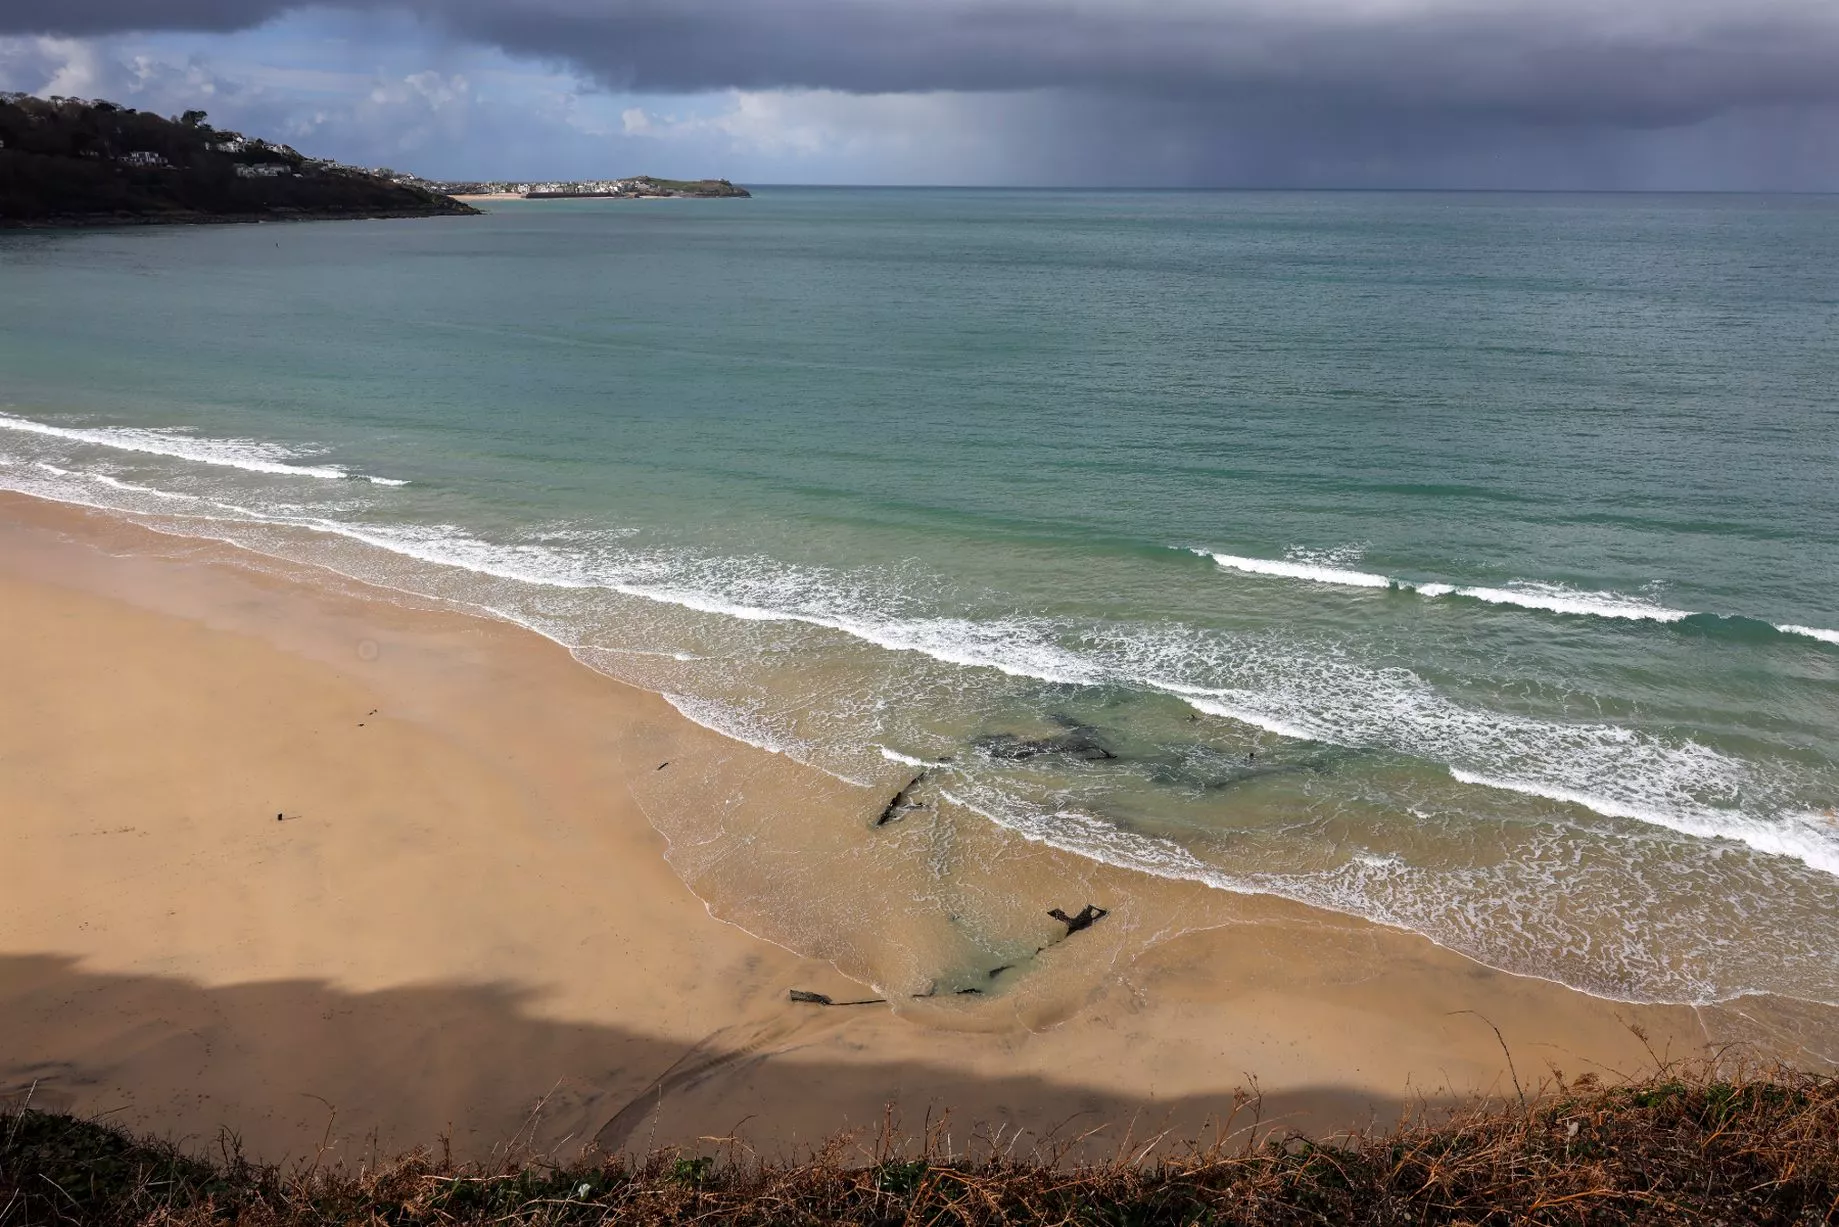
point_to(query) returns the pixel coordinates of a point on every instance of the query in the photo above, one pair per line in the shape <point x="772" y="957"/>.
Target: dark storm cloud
<point x="77" y="18"/>
<point x="1640" y="62"/>
<point x="1600" y="93"/>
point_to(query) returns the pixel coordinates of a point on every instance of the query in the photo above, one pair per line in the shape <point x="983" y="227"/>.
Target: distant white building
<point x="143" y="157"/>
<point x="235" y="144"/>
<point x="262" y="170"/>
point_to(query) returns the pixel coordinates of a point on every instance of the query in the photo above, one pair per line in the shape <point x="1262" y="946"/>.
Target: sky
<point x="1721" y="95"/>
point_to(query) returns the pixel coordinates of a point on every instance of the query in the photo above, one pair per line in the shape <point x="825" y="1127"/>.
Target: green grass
<point x="685" y="185"/>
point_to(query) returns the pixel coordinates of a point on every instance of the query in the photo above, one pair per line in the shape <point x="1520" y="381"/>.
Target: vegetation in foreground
<point x="1684" y="1146"/>
<point x="67" y="161"/>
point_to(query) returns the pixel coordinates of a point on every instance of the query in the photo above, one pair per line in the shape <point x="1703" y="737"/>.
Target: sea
<point x="1468" y="563"/>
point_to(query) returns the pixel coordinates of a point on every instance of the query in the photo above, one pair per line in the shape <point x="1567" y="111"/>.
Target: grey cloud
<point x="1537" y="63"/>
<point x="1640" y="62"/>
<point x="1517" y="92"/>
<point x="81" y="18"/>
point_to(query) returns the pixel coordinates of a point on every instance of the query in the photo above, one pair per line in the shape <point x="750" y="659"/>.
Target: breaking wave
<point x="1311" y="571"/>
<point x="1289" y="689"/>
<point x="1525" y="594"/>
<point x="249" y="455"/>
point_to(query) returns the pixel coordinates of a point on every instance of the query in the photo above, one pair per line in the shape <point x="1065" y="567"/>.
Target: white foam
<point x="730" y="723"/>
<point x="1784" y="836"/>
<point x="1312" y="695"/>
<point x="1527" y="594"/>
<point x="749" y="729"/>
<point x="1812" y="632"/>
<point x="1495" y="914"/>
<point x="250" y="455"/>
<point x="1607" y="768"/>
<point x="1314" y="572"/>
<point x="1559" y="598"/>
<point x="895" y="756"/>
<point x="1093" y="838"/>
<point x="116" y="483"/>
<point x="1097" y="840"/>
<point x="683" y="657"/>
<point x="1680" y="785"/>
<point x="745" y="590"/>
<point x="1258" y="719"/>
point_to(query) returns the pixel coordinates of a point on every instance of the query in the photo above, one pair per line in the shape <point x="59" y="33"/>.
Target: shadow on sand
<point x="295" y="1069"/>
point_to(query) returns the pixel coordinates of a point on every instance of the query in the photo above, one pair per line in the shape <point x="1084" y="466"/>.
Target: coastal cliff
<point x="70" y="162"/>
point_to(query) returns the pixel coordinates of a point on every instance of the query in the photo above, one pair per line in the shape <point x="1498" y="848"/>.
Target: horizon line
<point x="1029" y="187"/>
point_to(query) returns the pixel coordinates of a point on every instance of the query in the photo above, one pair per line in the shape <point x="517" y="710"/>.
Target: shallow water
<point x="1463" y="562"/>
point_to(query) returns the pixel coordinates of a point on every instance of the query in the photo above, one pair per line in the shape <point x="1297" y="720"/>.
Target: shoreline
<point x="471" y="197"/>
<point x="95" y="221"/>
<point x="501" y="821"/>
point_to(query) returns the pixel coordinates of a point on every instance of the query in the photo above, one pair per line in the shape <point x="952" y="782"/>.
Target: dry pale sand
<point x="465" y="923"/>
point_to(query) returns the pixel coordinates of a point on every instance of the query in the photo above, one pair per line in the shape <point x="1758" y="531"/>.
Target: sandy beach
<point x="320" y="864"/>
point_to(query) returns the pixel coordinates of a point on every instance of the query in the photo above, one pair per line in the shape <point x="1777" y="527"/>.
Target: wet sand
<point x="465" y="921"/>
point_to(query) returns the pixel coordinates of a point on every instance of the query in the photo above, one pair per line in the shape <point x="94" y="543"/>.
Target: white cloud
<point x="80" y="68"/>
<point x="355" y="116"/>
<point x="46" y="66"/>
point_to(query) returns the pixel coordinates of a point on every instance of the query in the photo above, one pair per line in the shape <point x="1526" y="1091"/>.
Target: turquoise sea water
<point x="1467" y="562"/>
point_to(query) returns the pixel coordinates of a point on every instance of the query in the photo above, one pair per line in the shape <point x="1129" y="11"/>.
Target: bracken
<point x="1693" y="1145"/>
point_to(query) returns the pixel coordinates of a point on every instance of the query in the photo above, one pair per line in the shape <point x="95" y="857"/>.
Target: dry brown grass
<point x="1691" y="1145"/>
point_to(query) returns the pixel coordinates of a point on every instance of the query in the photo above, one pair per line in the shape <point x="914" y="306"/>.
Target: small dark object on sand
<point x="899" y="805"/>
<point x="809" y="998"/>
<point x="664" y="764"/>
<point x="1087" y="917"/>
<point x="997" y="971"/>
<point x="970" y="992"/>
<point x="278" y="817"/>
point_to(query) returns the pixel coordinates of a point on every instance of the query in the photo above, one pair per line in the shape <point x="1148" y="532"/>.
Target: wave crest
<point x="1524" y="594"/>
<point x="250" y="455"/>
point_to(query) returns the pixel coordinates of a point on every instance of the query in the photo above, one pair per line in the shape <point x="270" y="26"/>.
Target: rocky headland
<point x="72" y="162"/>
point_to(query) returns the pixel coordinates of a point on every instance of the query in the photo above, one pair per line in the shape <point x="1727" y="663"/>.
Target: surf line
<point x="1525" y="594"/>
<point x="250" y="455"/>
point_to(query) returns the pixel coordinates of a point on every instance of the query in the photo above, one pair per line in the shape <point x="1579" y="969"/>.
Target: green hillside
<point x="67" y="161"/>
